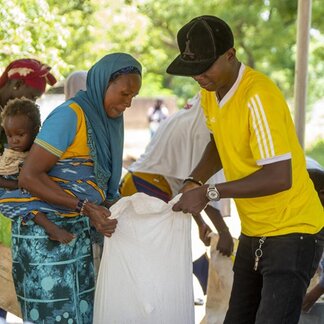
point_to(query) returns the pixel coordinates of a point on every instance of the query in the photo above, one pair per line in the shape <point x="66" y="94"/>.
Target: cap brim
<point x="182" y="67"/>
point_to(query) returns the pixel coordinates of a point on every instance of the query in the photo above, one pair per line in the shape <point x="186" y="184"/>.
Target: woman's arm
<point x="34" y="178"/>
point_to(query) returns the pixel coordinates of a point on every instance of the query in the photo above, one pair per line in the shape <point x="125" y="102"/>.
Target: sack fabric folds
<point x="145" y="274"/>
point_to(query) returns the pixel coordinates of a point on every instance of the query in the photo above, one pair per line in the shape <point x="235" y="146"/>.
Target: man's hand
<point x="225" y="243"/>
<point x="192" y="201"/>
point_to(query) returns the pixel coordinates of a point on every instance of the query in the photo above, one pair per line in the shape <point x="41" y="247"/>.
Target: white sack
<point x="145" y="274"/>
<point x="220" y="280"/>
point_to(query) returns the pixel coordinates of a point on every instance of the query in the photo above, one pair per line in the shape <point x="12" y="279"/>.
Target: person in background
<point x="75" y="82"/>
<point x="23" y="78"/>
<point x="27" y="78"/>
<point x="253" y="139"/>
<point x="156" y="115"/>
<point x="80" y="146"/>
<point x="317" y="176"/>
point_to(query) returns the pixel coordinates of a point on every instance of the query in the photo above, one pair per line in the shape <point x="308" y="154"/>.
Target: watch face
<point x="213" y="194"/>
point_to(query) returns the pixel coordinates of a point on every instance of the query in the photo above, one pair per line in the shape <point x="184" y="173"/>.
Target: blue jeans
<point x="272" y="294"/>
<point x="3" y="313"/>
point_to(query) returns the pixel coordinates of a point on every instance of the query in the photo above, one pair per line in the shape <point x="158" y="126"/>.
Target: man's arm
<point x="208" y="165"/>
<point x="270" y="179"/>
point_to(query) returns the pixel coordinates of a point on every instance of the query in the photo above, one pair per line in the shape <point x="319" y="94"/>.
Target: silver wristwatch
<point x="212" y="193"/>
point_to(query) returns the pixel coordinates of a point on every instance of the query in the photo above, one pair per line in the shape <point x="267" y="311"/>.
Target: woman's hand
<point x="100" y="219"/>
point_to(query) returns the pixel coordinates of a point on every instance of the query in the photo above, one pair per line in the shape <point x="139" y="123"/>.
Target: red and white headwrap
<point x="34" y="73"/>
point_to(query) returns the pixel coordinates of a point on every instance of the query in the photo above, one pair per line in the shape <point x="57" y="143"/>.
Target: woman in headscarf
<point x="23" y="78"/>
<point x="73" y="166"/>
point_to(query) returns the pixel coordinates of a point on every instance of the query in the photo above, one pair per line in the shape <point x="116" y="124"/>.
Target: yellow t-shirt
<point x="252" y="126"/>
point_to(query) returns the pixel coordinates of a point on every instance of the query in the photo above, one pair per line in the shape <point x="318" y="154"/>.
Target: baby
<point x="20" y="120"/>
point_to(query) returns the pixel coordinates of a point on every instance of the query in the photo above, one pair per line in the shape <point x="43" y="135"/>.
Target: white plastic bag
<point x="145" y="274"/>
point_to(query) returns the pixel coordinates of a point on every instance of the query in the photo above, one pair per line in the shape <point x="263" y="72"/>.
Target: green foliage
<point x="48" y="31"/>
<point x="152" y="86"/>
<point x="317" y="152"/>
<point x="265" y="34"/>
<point x="5" y="231"/>
<point x="27" y="29"/>
<point x="77" y="31"/>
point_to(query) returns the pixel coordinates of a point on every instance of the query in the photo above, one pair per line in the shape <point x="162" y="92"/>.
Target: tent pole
<point x="301" y="68"/>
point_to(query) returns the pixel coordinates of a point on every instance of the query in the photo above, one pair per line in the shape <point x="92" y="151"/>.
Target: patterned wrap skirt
<point x="54" y="282"/>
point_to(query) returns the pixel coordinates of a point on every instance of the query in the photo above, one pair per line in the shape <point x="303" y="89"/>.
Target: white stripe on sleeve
<point x="261" y="128"/>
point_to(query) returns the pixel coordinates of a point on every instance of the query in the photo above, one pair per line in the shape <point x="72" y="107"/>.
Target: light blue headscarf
<point x="105" y="135"/>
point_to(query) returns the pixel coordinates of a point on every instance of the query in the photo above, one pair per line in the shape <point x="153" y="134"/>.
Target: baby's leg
<point x="54" y="232"/>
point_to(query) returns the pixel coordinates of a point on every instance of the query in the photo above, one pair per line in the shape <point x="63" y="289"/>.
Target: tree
<point x="44" y="30"/>
<point x="265" y="33"/>
<point x="74" y="36"/>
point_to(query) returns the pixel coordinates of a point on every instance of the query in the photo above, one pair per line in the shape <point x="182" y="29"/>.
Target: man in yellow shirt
<point x="253" y="139"/>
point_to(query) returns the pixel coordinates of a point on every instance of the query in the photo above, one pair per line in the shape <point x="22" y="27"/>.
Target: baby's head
<point x="317" y="177"/>
<point x="21" y="121"/>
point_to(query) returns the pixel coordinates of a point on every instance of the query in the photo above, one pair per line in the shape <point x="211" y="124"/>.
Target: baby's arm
<point x="54" y="232"/>
<point x="8" y="184"/>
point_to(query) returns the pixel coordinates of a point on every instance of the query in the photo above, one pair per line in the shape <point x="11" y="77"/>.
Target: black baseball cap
<point x="201" y="42"/>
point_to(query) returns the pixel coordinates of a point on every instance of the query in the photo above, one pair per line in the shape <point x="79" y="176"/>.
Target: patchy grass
<point x="316" y="151"/>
